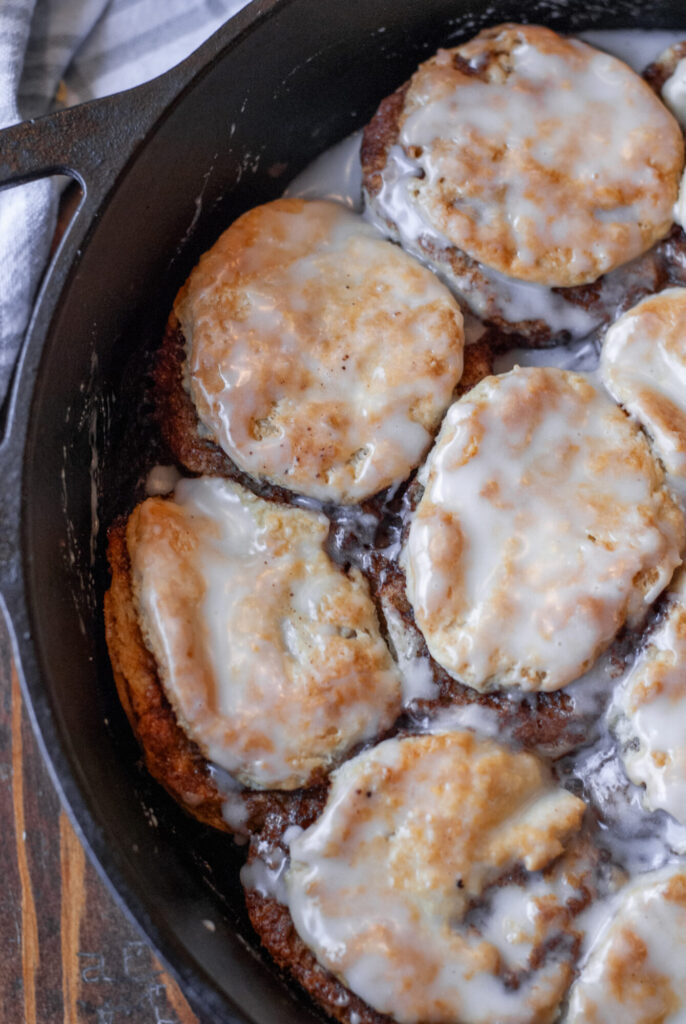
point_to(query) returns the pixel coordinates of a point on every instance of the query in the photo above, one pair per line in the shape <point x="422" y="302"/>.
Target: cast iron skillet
<point x="163" y="169"/>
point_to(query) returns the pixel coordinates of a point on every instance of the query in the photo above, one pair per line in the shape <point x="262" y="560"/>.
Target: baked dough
<point x="635" y="969"/>
<point x="648" y="710"/>
<point x="643" y="365"/>
<point x="544" y="526"/>
<point x="422" y="885"/>
<point x="537" y="156"/>
<point x="269" y="653"/>
<point x="321" y="358"/>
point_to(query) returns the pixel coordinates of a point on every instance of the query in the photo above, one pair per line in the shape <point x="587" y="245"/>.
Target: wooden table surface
<point x="70" y="955"/>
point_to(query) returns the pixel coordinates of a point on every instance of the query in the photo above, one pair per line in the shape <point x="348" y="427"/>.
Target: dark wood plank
<point x="70" y="955"/>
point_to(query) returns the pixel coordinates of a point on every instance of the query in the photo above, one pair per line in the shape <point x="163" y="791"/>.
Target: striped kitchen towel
<point x="60" y="52"/>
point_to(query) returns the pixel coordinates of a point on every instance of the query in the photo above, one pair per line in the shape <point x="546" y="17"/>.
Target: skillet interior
<point x="308" y="73"/>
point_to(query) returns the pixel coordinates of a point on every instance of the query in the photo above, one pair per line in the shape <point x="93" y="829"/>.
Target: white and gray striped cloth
<point x="61" y="52"/>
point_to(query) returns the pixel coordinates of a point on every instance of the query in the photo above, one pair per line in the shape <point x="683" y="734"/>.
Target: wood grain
<point x="73" y="898"/>
<point x="70" y="956"/>
<point x="30" y="955"/>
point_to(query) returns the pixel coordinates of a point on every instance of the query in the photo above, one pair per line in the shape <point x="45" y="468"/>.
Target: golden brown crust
<point x="294" y="691"/>
<point x="379" y="135"/>
<point x="478" y="363"/>
<point x="586" y="246"/>
<point x="179" y="424"/>
<point x="307" y="335"/>
<point x="488" y="56"/>
<point x="176" y="415"/>
<point x="274" y="925"/>
<point x="170" y="757"/>
<point x="544" y="722"/>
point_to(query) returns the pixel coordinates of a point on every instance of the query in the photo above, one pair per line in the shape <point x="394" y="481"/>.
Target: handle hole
<point x="71" y="195"/>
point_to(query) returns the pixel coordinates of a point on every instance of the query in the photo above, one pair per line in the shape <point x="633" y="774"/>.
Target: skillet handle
<point x="93" y="141"/>
<point x="90" y="142"/>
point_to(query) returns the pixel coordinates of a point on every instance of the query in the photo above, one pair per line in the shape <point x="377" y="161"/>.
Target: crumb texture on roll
<point x="170" y="756"/>
<point x="320" y="356"/>
<point x="441" y="881"/>
<point x="648" y="711"/>
<point x="634" y="973"/>
<point x="540" y="157"/>
<point x="643" y="365"/>
<point x="269" y="653"/>
<point x="544" y="526"/>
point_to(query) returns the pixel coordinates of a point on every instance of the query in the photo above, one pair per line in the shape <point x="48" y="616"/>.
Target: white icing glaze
<point x="543" y="527"/>
<point x="555" y="165"/>
<point x="269" y="653"/>
<point x="633" y="840"/>
<point x="649" y="711"/>
<point x="631" y="845"/>
<point x="522" y="300"/>
<point x="637" y="47"/>
<point x="636" y="841"/>
<point x="161" y="480"/>
<point x="335" y="175"/>
<point x="482" y="720"/>
<point x="635" y="969"/>
<point x="483" y="291"/>
<point x="385" y="886"/>
<point x="643" y="365"/>
<point x="511" y="904"/>
<point x="581" y="357"/>
<point x="674" y="92"/>
<point x="234" y="807"/>
<point x="321" y="356"/>
<point x="415" y="667"/>
<point x="266" y="873"/>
